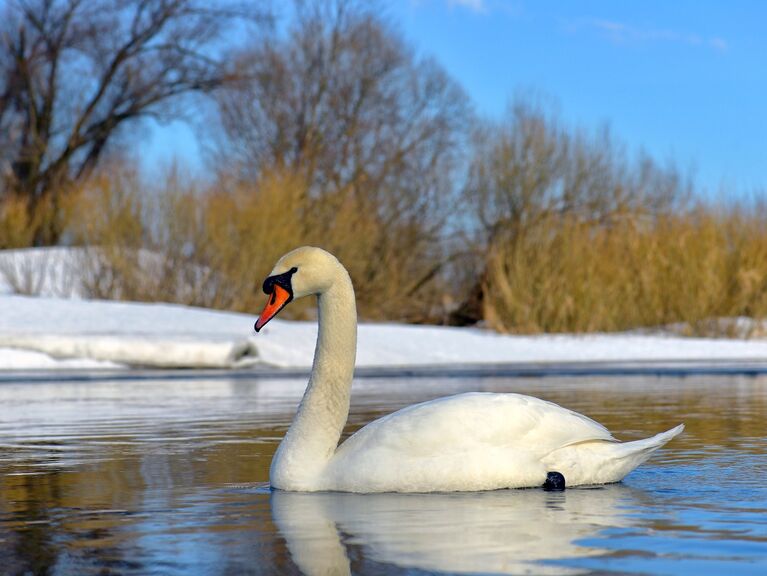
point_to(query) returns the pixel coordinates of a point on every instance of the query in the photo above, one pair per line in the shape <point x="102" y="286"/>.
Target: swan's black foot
<point x="555" y="482"/>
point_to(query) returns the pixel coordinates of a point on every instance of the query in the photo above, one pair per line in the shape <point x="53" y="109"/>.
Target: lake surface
<point x="170" y="477"/>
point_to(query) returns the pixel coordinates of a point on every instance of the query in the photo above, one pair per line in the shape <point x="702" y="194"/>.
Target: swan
<point x="467" y="442"/>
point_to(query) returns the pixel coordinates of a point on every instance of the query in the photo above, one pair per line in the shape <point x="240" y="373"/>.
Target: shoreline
<point x="612" y="369"/>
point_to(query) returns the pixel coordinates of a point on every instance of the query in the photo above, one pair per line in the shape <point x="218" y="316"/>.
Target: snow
<point x="16" y="359"/>
<point x="87" y="333"/>
<point x="54" y="332"/>
<point x="41" y="271"/>
<point x="159" y="335"/>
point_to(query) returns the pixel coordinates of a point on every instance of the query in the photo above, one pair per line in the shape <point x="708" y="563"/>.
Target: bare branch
<point x="75" y="72"/>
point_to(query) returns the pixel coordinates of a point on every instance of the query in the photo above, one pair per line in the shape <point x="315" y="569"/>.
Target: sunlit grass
<point x="569" y="276"/>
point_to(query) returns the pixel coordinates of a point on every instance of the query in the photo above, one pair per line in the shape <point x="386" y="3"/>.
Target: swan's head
<point x="301" y="272"/>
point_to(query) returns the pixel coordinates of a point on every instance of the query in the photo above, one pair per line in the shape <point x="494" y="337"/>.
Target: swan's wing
<point x="466" y="442"/>
<point x="474" y="422"/>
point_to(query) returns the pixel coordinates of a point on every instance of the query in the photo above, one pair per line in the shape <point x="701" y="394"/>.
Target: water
<point x="169" y="477"/>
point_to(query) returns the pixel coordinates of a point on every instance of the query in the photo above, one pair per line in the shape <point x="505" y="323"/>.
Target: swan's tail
<point x="643" y="449"/>
<point x="600" y="462"/>
<point x="626" y="456"/>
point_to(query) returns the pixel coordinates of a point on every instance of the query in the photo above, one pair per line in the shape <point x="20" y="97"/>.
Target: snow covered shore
<point x="39" y="333"/>
<point x="61" y="329"/>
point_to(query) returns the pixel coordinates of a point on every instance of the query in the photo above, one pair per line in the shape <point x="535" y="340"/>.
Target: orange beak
<point x="278" y="299"/>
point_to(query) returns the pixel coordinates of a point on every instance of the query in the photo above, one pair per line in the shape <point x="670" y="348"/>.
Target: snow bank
<point x="137" y="350"/>
<point x="137" y="334"/>
<point x="15" y="359"/>
<point x="60" y="329"/>
<point x="35" y="331"/>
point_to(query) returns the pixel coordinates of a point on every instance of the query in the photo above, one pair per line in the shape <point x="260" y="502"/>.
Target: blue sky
<point x="685" y="80"/>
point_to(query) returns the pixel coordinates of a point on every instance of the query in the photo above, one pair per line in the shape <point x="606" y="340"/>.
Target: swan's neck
<point x="313" y="436"/>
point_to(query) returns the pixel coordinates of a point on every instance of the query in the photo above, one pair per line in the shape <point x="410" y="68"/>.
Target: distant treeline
<point x="332" y="131"/>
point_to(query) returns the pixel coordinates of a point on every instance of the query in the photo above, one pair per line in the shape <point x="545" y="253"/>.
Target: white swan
<point x="467" y="442"/>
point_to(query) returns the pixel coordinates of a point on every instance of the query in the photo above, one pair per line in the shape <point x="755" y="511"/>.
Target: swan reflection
<point x="503" y="532"/>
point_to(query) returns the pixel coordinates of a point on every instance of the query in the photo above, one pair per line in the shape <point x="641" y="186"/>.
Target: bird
<point x="474" y="441"/>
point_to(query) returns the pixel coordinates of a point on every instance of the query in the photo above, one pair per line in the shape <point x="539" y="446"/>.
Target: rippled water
<point x="169" y="477"/>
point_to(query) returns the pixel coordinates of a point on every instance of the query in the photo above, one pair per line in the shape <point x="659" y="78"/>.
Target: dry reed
<point x="569" y="276"/>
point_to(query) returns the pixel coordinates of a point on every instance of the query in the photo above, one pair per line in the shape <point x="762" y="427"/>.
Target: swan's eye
<point x="283" y="280"/>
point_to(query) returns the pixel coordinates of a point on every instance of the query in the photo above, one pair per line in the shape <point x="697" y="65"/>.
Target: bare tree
<point x="530" y="167"/>
<point x="75" y="72"/>
<point x="342" y="101"/>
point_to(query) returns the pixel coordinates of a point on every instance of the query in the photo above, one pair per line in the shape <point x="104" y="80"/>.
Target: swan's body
<point x="475" y="441"/>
